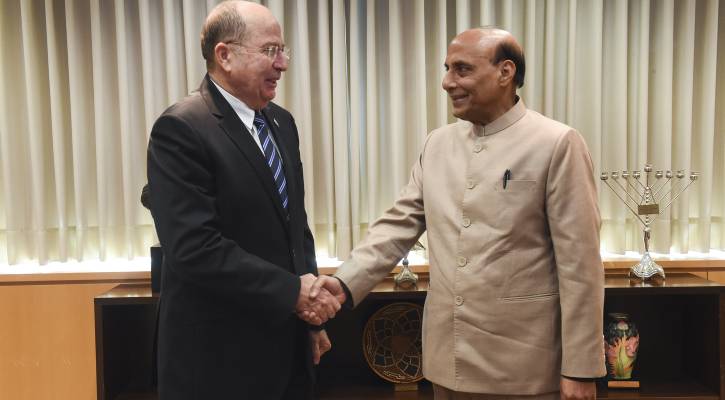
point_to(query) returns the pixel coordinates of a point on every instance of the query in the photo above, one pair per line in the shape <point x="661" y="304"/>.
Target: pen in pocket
<point x="506" y="177"/>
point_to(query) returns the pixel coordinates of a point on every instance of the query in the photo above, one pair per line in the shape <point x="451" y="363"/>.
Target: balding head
<point x="228" y="22"/>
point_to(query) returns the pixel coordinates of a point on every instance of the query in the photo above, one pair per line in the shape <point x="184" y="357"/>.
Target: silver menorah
<point x="406" y="278"/>
<point x="643" y="200"/>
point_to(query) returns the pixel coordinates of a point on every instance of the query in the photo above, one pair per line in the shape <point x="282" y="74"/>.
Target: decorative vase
<point x="621" y="342"/>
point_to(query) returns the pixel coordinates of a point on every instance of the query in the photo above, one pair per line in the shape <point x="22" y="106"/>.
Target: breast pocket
<point x="517" y="185"/>
<point x="519" y="202"/>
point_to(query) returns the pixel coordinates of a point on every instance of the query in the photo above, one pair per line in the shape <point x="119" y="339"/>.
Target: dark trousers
<point x="301" y="383"/>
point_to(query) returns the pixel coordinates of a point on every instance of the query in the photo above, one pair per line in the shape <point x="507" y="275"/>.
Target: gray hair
<point x="223" y="25"/>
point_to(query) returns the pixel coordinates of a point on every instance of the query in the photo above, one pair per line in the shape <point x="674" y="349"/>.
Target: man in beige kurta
<point x="508" y="199"/>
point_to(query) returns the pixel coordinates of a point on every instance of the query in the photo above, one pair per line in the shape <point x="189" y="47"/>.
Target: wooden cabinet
<point x="681" y="326"/>
<point x="125" y="334"/>
<point x="681" y="355"/>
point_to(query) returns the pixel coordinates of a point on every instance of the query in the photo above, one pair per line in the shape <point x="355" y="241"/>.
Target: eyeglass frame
<point x="267" y="50"/>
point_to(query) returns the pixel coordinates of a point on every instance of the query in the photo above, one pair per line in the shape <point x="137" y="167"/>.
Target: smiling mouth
<point x="458" y="98"/>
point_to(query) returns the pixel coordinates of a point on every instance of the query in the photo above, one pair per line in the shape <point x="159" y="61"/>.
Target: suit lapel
<point x="233" y="127"/>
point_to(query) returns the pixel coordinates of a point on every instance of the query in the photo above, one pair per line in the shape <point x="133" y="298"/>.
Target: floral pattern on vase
<point x="621" y="342"/>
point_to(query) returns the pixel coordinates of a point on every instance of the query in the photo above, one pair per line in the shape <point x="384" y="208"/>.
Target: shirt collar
<point x="245" y="113"/>
<point x="508" y="118"/>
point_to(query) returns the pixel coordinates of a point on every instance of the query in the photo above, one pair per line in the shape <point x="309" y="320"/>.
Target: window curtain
<point x="82" y="81"/>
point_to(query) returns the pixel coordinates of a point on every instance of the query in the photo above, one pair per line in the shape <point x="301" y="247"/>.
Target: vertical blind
<point x="82" y="81"/>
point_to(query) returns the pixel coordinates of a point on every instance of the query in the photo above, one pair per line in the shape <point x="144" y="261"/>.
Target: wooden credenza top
<point x="676" y="282"/>
<point x="140" y="293"/>
<point x="128" y="293"/>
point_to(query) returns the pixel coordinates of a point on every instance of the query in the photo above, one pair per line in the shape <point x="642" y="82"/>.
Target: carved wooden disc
<point x="392" y="342"/>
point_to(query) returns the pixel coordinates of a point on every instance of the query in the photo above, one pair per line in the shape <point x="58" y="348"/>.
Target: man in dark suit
<point x="226" y="193"/>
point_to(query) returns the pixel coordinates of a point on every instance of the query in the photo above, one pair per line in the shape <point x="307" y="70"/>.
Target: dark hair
<point x="509" y="51"/>
<point x="226" y="25"/>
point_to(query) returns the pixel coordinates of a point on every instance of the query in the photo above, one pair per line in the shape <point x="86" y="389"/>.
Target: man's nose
<point x="447" y="83"/>
<point x="281" y="62"/>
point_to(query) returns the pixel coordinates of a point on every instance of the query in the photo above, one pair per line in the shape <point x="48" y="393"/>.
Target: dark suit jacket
<point x="232" y="254"/>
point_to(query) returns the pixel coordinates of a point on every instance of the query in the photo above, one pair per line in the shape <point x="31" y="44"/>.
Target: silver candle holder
<point x="406" y="278"/>
<point x="643" y="200"/>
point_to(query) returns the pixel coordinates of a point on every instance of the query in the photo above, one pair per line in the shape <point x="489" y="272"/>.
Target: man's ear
<point x="507" y="70"/>
<point x="222" y="56"/>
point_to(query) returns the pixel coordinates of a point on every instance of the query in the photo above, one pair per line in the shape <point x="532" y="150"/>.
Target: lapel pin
<point x="275" y="122"/>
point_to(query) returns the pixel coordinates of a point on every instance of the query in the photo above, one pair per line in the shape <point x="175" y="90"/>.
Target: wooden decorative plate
<point x="392" y="343"/>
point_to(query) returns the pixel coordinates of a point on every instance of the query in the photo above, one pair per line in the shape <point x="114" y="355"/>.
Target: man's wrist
<point x="316" y="328"/>
<point x="348" y="296"/>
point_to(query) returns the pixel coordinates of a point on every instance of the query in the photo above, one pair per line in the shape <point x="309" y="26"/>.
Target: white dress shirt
<point x="246" y="114"/>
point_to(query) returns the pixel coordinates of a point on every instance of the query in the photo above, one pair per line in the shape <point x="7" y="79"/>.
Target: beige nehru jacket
<point x="516" y="281"/>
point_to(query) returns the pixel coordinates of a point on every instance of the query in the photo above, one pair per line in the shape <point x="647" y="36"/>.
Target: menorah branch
<point x="678" y="194"/>
<point x="626" y="191"/>
<point x="661" y="185"/>
<point x="629" y="183"/>
<point x="636" y="179"/>
<point x="625" y="202"/>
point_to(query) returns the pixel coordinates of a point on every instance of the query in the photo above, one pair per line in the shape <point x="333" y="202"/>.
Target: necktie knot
<point x="259" y="122"/>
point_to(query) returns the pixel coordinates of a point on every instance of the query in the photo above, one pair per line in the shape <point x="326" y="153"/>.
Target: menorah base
<point x="406" y="279"/>
<point x="647" y="268"/>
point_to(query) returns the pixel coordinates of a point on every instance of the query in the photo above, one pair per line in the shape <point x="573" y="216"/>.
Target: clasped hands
<point x="320" y="298"/>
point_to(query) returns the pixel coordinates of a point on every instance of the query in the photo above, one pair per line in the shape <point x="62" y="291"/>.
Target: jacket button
<point x="477" y="148"/>
<point x="462" y="261"/>
<point x="470" y="184"/>
<point x="466" y="222"/>
<point x="459" y="300"/>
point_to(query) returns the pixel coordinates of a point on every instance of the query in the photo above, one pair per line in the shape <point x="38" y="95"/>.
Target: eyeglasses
<point x="270" y="51"/>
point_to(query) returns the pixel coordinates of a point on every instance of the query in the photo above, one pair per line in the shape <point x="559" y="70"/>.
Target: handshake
<point x="320" y="298"/>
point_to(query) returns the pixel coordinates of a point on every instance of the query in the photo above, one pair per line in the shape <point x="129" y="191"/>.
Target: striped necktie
<point x="272" y="157"/>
